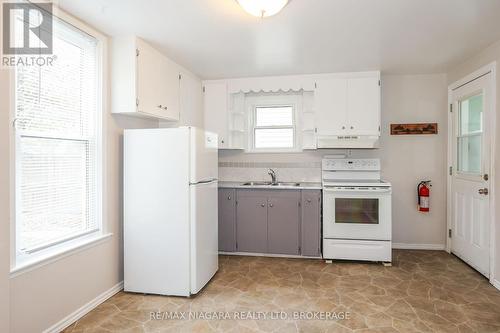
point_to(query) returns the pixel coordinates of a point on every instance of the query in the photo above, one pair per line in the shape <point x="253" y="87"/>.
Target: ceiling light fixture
<point x="262" y="8"/>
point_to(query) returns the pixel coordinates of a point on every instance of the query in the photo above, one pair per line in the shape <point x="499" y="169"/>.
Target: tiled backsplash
<point x="257" y="171"/>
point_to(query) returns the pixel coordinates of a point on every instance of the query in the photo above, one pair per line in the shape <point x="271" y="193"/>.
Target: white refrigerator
<point x="170" y="210"/>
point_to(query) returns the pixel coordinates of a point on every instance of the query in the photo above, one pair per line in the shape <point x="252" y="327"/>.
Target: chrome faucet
<point x="272" y="173"/>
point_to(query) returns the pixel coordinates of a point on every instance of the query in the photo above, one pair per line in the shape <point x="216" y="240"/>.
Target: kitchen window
<point x="58" y="162"/>
<point x="273" y="123"/>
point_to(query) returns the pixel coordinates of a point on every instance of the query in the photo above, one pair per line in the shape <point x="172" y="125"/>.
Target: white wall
<point x="489" y="55"/>
<point x="405" y="159"/>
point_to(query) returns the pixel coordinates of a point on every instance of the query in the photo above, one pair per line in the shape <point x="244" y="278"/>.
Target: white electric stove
<point x="357" y="219"/>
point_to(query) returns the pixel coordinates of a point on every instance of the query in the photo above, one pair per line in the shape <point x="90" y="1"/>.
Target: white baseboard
<point x="496" y="283"/>
<point x="406" y="246"/>
<point x="71" y="318"/>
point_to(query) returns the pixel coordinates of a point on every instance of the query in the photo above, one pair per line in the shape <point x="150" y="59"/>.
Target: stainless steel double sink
<point x="263" y="184"/>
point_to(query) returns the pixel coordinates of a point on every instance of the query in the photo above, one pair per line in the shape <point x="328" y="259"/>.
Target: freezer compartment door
<point x="204" y="234"/>
<point x="204" y="156"/>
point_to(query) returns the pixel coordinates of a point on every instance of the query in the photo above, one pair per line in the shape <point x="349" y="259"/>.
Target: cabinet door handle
<point x="343" y="127"/>
<point x="309" y="200"/>
<point x="352" y="127"/>
<point x="165" y="108"/>
<point x="160" y="106"/>
<point x="270" y="205"/>
<point x="263" y="205"/>
<point x="229" y="198"/>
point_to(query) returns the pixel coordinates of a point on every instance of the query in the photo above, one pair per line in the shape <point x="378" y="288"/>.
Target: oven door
<point x="357" y="213"/>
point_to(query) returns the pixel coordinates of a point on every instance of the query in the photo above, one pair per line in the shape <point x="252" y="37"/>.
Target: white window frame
<point x="21" y="263"/>
<point x="254" y="101"/>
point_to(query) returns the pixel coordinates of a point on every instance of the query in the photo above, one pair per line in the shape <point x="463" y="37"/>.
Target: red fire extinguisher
<point x="423" y="193"/>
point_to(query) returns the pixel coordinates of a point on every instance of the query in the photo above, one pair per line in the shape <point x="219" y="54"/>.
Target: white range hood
<point x="348" y="141"/>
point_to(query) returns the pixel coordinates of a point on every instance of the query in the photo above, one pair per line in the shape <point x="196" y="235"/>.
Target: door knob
<point x="263" y="205"/>
<point x="343" y="127"/>
<point x="160" y="106"/>
<point x="229" y="198"/>
<point x="270" y="205"/>
<point x="484" y="191"/>
<point x="352" y="127"/>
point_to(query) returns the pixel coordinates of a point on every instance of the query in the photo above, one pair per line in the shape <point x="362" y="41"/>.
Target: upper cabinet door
<point x="363" y="106"/>
<point x="191" y="101"/>
<point x="330" y="98"/>
<point x="215" y="110"/>
<point x="157" y="83"/>
<point x="171" y="94"/>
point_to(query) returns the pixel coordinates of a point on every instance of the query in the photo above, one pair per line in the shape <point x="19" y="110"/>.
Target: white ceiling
<point x="216" y="39"/>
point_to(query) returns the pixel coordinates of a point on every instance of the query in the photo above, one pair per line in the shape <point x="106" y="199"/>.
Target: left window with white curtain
<point x="58" y="159"/>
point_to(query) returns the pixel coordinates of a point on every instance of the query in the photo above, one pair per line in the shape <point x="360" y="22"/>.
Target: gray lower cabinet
<point x="276" y="221"/>
<point x="283" y="218"/>
<point x="227" y="220"/>
<point x="311" y="223"/>
<point x="251" y="221"/>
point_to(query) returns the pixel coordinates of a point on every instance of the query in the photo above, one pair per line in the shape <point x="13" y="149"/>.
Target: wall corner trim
<point x="406" y="246"/>
<point x="86" y="308"/>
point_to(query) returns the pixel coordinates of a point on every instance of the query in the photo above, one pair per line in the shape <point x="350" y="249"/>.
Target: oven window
<point x="357" y="211"/>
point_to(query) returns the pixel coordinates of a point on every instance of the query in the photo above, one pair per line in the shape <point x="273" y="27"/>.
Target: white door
<point x="330" y="98"/>
<point x="363" y="106"/>
<point x="470" y="185"/>
<point x="204" y="234"/>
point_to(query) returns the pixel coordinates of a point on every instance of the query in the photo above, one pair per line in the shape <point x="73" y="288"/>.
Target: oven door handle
<point x="355" y="190"/>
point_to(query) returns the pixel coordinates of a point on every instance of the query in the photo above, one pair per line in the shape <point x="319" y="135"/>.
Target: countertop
<point x="303" y="186"/>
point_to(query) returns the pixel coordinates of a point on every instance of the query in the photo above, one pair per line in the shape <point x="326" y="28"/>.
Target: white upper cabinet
<point x="191" y="100"/>
<point x="215" y="103"/>
<point x="330" y="98"/>
<point x="144" y="82"/>
<point x="338" y="110"/>
<point x="363" y="106"/>
<point x="348" y="105"/>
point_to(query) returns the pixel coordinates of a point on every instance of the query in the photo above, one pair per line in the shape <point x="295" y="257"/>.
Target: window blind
<point x="274" y="127"/>
<point x="57" y="131"/>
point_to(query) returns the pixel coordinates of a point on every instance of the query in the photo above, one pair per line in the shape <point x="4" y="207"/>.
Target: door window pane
<point x="471" y="115"/>
<point x="356" y="211"/>
<point x="470" y="134"/>
<point x="469" y="153"/>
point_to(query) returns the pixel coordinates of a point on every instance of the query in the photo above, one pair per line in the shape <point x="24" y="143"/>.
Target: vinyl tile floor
<point x="424" y="291"/>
